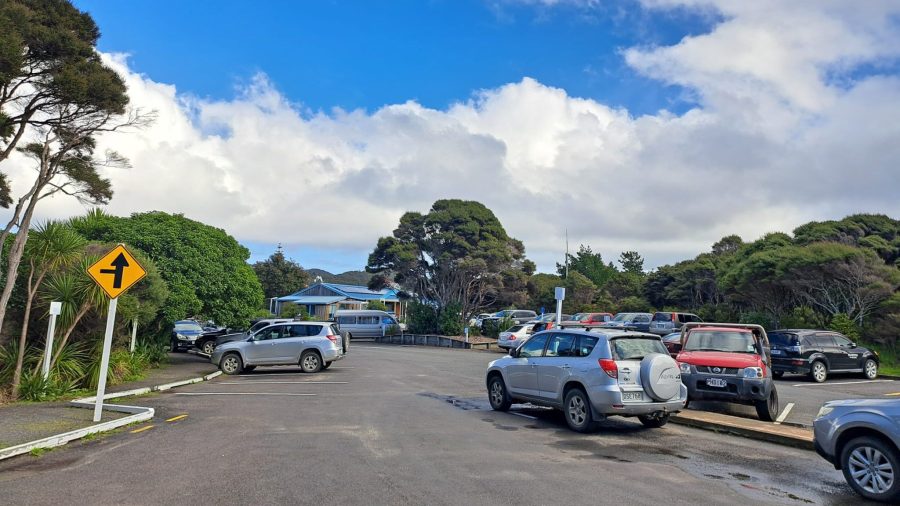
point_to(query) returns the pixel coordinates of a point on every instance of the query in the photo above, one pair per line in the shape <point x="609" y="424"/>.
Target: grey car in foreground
<point x="590" y="375"/>
<point x="311" y="345"/>
<point x="861" y="437"/>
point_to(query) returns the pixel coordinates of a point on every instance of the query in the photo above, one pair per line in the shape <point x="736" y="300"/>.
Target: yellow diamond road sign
<point x="116" y="271"/>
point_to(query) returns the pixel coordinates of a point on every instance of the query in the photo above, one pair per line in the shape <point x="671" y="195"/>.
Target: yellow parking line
<point x="142" y="429"/>
<point x="895" y="394"/>
<point x="176" y="418"/>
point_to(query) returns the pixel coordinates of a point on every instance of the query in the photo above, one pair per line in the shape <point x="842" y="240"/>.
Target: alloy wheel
<point x="871" y="470"/>
<point x="819" y="372"/>
<point x="496" y="393"/>
<point x="311" y="362"/>
<point x="871" y="369"/>
<point x="577" y="413"/>
<point x="230" y="364"/>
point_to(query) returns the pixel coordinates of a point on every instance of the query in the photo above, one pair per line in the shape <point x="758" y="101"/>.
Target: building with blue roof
<point x="321" y="300"/>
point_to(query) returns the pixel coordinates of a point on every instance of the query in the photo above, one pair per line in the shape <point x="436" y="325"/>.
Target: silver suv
<point x="311" y="345"/>
<point x="861" y="437"/>
<point x="590" y="375"/>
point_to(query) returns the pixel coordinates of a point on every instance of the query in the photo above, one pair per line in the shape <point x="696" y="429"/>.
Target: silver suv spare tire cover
<point x="660" y="376"/>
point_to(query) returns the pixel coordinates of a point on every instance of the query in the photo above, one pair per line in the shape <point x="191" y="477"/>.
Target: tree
<point x="206" y="270"/>
<point x="54" y="87"/>
<point x="580" y="292"/>
<point x="727" y="245"/>
<point x="53" y="246"/>
<point x="279" y="275"/>
<point x="457" y="253"/>
<point x="590" y="264"/>
<point x="632" y="262"/>
<point x="376" y="305"/>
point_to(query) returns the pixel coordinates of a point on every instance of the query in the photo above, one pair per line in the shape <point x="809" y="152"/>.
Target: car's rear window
<point x="662" y="317"/>
<point x="784" y="339"/>
<point x="515" y="328"/>
<point x="635" y="348"/>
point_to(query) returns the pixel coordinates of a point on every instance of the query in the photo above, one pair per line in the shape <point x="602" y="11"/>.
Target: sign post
<point x="133" y="334"/>
<point x="114" y="273"/>
<point x="560" y="293"/>
<point x="55" y="310"/>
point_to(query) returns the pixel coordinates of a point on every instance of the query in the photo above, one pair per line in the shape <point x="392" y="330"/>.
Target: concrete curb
<point x="794" y="437"/>
<point x="137" y="414"/>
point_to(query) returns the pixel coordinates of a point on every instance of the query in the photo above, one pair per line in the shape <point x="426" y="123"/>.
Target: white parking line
<point x="265" y="382"/>
<point x="840" y="383"/>
<point x="242" y="393"/>
<point x="523" y="415"/>
<point x="784" y="414"/>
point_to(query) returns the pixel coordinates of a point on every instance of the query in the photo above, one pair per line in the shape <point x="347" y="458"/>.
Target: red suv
<point x="730" y="363"/>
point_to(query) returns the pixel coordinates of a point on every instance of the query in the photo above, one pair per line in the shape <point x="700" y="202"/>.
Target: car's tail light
<point x="798" y="362"/>
<point x="609" y="367"/>
<point x="512" y="337"/>
<point x="333" y="338"/>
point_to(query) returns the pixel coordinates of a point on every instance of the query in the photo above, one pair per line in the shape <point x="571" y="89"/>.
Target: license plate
<point x="716" y="382"/>
<point x="632" y="396"/>
<point x="777" y="352"/>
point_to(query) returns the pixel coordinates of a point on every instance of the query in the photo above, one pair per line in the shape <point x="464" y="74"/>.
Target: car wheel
<point x="497" y="394"/>
<point x="174" y="347"/>
<point x="346" y="342"/>
<point x="208" y="347"/>
<point x="232" y="364"/>
<point x="767" y="410"/>
<point x="818" y="372"/>
<point x="654" y="421"/>
<point x="871" y="468"/>
<point x="870" y="369"/>
<point x="310" y="362"/>
<point x="326" y="365"/>
<point x="777" y="374"/>
<point x="577" y="409"/>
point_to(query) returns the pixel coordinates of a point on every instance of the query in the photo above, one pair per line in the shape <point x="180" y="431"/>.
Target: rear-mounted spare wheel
<point x="660" y="377"/>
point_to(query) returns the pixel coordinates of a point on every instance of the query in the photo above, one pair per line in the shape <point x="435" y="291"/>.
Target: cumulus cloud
<point x="785" y="130"/>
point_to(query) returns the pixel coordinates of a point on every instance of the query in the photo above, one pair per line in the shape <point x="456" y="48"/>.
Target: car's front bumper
<point x="736" y="389"/>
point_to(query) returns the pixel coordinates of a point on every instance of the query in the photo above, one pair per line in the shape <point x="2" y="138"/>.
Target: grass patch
<point x="888" y="357"/>
<point x="37" y="452"/>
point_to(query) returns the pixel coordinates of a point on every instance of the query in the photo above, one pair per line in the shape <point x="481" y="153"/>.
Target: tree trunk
<point x="20" y="359"/>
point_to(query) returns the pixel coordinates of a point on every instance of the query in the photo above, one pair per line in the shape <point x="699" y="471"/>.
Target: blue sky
<point x="598" y="117"/>
<point x="365" y="54"/>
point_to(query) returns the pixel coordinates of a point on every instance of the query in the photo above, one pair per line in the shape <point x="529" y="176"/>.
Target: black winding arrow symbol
<point x="120" y="263"/>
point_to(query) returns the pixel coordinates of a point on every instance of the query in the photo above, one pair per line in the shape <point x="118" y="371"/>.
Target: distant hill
<point x="346" y="278"/>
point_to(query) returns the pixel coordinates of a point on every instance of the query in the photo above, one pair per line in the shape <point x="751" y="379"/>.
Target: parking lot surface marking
<point x="784" y="414"/>
<point x="840" y="383"/>
<point x="176" y="418"/>
<point x="266" y="382"/>
<point x="243" y="393"/>
<point x="523" y="415"/>
<point x="142" y="429"/>
<point x="895" y="394"/>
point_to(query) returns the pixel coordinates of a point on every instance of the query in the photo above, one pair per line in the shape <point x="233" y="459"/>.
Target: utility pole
<point x="567" y="253"/>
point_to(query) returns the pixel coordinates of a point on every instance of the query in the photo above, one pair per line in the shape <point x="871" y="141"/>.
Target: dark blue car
<point x="185" y="334"/>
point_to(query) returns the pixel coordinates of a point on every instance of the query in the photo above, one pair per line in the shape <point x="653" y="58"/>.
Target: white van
<point x="364" y="323"/>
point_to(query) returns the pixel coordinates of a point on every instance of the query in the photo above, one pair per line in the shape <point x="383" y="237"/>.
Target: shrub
<point x="422" y="318"/>
<point x="843" y="324"/>
<point x="449" y="321"/>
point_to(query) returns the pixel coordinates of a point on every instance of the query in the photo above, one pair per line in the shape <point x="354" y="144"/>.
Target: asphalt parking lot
<point x="403" y="425"/>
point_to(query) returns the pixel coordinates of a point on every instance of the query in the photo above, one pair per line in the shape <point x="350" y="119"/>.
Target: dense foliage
<point x="279" y="275"/>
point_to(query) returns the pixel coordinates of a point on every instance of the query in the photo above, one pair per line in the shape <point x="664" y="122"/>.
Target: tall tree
<point x="54" y="88"/>
<point x="457" y="254"/>
<point x="279" y="275"/>
<point x="589" y="264"/>
<point x="632" y="262"/>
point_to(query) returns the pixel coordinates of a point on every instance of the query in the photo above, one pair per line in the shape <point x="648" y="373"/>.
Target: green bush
<point x="422" y="318"/>
<point x="35" y="388"/>
<point x="493" y="330"/>
<point x="801" y="318"/>
<point x="843" y="324"/>
<point x="376" y="305"/>
<point x="450" y="320"/>
<point x="757" y="318"/>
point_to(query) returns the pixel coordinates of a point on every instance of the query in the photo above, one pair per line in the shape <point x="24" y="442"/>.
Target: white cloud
<point x="775" y="140"/>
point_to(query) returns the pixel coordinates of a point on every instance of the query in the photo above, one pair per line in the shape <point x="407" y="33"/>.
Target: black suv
<point x="819" y="353"/>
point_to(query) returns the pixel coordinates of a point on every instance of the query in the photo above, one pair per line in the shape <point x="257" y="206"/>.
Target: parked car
<point x="590" y="317"/>
<point x="635" y="321"/>
<point x="516" y="315"/>
<point x="184" y="334"/>
<point x="665" y="322"/>
<point x="256" y="326"/>
<point x="818" y="353"/>
<point x="311" y="345"/>
<point x="673" y="343"/>
<point x="364" y="323"/>
<point x="546" y="322"/>
<point x="476" y="322"/>
<point x="206" y="343"/>
<point x="728" y="362"/>
<point x="514" y="336"/>
<point x="590" y="375"/>
<point x="861" y="437"/>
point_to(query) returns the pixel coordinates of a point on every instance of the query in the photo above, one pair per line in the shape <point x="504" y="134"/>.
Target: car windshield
<point x="623" y="317"/>
<point x="784" y="339"/>
<point x="190" y="327"/>
<point x="514" y="328"/>
<point x="635" y="348"/>
<point x="729" y="341"/>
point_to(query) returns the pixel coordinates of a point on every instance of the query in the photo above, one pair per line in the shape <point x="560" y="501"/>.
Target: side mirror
<point x="514" y="352"/>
